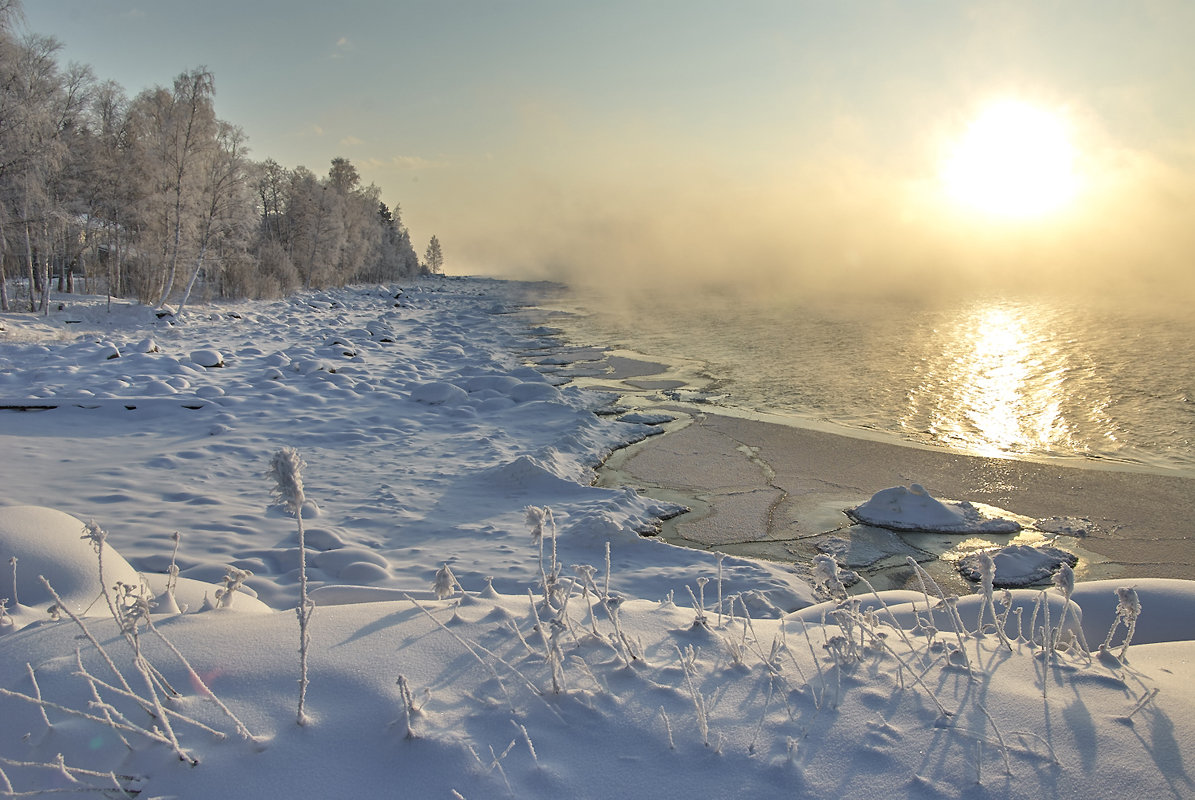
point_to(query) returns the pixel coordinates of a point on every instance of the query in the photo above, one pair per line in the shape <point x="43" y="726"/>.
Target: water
<point x="1006" y="377"/>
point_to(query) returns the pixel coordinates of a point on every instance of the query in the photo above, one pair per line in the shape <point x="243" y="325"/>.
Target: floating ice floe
<point x="1065" y="526"/>
<point x="913" y="509"/>
<point x="1019" y="564"/>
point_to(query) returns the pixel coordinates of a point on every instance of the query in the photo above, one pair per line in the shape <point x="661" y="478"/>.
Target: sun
<point x="1015" y="160"/>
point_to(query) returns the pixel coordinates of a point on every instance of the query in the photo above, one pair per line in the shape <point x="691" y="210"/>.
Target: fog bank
<point x="828" y="226"/>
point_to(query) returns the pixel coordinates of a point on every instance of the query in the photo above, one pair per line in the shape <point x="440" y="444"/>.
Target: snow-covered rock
<point x="914" y="509"/>
<point x="207" y="358"/>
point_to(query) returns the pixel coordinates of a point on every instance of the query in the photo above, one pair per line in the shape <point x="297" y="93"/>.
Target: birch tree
<point x="226" y="207"/>
<point x="176" y="131"/>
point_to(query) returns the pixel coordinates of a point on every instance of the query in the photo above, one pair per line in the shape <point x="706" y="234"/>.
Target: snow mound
<point x="526" y="474"/>
<point x="436" y="393"/>
<point x="1019" y="564"/>
<point x="207" y="358"/>
<point x="47" y="542"/>
<point x="914" y="509"/>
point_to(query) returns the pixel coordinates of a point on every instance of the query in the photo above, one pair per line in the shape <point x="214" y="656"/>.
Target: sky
<point x="795" y="145"/>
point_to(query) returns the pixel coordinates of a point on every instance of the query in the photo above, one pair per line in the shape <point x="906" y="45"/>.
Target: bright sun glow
<point x="1014" y="160"/>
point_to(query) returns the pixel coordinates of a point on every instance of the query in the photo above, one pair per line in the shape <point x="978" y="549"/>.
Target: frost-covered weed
<point x="1064" y="582"/>
<point x="699" y="618"/>
<point x="409" y="708"/>
<point x="234" y="579"/>
<point x="827" y="580"/>
<point x="1128" y="609"/>
<point x="445" y="584"/>
<point x="543" y="525"/>
<point x="286" y="470"/>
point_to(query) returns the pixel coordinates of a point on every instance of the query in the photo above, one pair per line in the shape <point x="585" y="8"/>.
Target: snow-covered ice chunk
<point x="1019" y="564"/>
<point x="647" y="418"/>
<point x="1065" y="526"/>
<point x="914" y="509"/>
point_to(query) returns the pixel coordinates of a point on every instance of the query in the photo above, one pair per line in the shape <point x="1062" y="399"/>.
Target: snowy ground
<point x="661" y="672"/>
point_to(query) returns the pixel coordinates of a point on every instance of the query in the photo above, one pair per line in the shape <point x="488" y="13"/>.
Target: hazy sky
<point x="796" y="142"/>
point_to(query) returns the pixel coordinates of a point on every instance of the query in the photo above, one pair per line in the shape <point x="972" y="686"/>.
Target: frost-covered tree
<point x="176" y="135"/>
<point x="154" y="192"/>
<point x="433" y="259"/>
<point x="224" y="220"/>
<point x="40" y="106"/>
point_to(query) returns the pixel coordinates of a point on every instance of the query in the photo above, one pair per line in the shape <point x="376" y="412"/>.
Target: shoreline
<point x="779" y="492"/>
<point x="777" y="488"/>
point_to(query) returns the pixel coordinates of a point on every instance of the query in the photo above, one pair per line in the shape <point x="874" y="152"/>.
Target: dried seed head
<point x="286" y="469"/>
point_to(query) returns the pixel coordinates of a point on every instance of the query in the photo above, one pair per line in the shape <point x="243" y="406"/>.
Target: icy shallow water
<point x="993" y="377"/>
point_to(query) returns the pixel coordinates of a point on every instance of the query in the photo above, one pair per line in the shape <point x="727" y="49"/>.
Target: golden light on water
<point x="1015" y="160"/>
<point x="997" y="388"/>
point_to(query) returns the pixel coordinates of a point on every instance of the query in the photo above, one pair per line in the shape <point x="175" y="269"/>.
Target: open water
<point x="1006" y="377"/>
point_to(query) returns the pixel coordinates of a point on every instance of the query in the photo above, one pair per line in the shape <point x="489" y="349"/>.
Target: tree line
<point x="155" y="198"/>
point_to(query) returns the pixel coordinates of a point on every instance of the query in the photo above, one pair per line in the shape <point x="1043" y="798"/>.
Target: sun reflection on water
<point x="996" y="387"/>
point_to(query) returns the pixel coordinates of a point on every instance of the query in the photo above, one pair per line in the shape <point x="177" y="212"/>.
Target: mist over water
<point x="1010" y="377"/>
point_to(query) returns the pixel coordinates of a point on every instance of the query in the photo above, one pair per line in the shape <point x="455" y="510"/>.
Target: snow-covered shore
<point x="654" y="671"/>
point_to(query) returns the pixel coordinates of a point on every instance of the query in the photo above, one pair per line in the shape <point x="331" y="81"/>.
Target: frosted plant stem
<point x="1033" y="622"/>
<point x="999" y="738"/>
<point x="763" y="715"/>
<point x="58" y="765"/>
<point x="667" y="728"/>
<point x="1049" y="747"/>
<point x="16" y="601"/>
<point x="116" y="785"/>
<point x="306" y="607"/>
<point x="95" y="695"/>
<point x="472" y="650"/>
<point x="550" y="655"/>
<point x="497" y="764"/>
<point x="241" y="729"/>
<point x="408" y="706"/>
<point x="793" y="658"/>
<point x="139" y="663"/>
<point x="720" y="557"/>
<point x="87" y="634"/>
<point x="895" y="625"/>
<point x="821" y="676"/>
<point x="172" y="572"/>
<point x="748" y="625"/>
<point x="110" y="710"/>
<point x="699" y="619"/>
<point x="1143" y="702"/>
<point x="552" y="533"/>
<point x="37" y="694"/>
<point x="916" y="678"/>
<point x="96" y="535"/>
<point x="606" y="589"/>
<point x="703" y="723"/>
<point x="152" y="735"/>
<point x="951" y="611"/>
<point x="527" y="738"/>
<point x="286" y="468"/>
